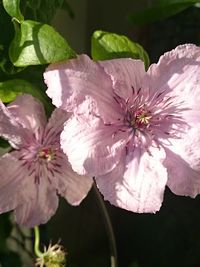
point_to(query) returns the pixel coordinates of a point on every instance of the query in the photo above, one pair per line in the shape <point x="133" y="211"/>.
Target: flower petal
<point x="29" y="113"/>
<point x="177" y="73"/>
<point x="137" y="183"/>
<point x="69" y="184"/>
<point x="40" y="209"/>
<point x="183" y="163"/>
<point x="71" y="82"/>
<point x="126" y="74"/>
<point x="92" y="147"/>
<point x="55" y="126"/>
<point x="14" y="188"/>
<point x="11" y="129"/>
<point x="182" y="179"/>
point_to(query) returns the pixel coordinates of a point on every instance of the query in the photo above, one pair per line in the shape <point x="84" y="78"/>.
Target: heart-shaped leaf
<point x="36" y="43"/>
<point x="13" y="9"/>
<point x="107" y="45"/>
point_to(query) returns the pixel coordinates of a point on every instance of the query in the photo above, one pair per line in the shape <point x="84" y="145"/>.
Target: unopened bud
<point x="54" y="256"/>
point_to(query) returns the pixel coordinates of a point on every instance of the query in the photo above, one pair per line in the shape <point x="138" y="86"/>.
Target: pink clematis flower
<point x="135" y="131"/>
<point x="37" y="170"/>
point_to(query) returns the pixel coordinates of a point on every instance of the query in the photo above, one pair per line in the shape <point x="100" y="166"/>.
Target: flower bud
<point x="54" y="256"/>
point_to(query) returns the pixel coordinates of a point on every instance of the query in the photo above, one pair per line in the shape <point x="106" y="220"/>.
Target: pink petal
<point x="177" y="73"/>
<point x="41" y="208"/>
<point x="92" y="147"/>
<point x="69" y="184"/>
<point x="71" y="82"/>
<point x="14" y="185"/>
<point x="137" y="183"/>
<point x="11" y="129"/>
<point x="183" y="163"/>
<point x="55" y="126"/>
<point x="29" y="113"/>
<point x="126" y="74"/>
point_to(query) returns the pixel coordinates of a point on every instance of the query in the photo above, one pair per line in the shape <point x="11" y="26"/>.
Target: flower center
<point x="149" y="118"/>
<point x="140" y="118"/>
<point x="46" y="153"/>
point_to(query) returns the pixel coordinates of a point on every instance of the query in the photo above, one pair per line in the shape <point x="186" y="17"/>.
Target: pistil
<point x="46" y="153"/>
<point x="140" y="118"/>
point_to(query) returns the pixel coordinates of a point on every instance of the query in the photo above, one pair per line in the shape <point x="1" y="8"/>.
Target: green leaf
<point x="159" y="10"/>
<point x="36" y="43"/>
<point x="6" y="65"/>
<point x="12" y="8"/>
<point x="42" y="10"/>
<point x="6" y="36"/>
<point x="107" y="45"/>
<point x="3" y="144"/>
<point x="11" y="88"/>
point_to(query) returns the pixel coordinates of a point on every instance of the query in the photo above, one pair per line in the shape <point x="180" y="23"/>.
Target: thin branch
<point x="108" y="226"/>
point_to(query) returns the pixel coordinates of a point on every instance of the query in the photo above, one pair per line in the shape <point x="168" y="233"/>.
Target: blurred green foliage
<point x="160" y="10"/>
<point x="8" y="257"/>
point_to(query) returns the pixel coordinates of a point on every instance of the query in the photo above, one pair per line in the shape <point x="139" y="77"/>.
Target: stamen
<point x="140" y="118"/>
<point x="46" y="153"/>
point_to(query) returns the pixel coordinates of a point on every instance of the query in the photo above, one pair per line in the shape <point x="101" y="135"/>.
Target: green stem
<point x="109" y="228"/>
<point x="38" y="253"/>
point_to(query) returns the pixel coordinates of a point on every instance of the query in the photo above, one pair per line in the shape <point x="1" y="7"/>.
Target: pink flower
<point x="135" y="131"/>
<point x="37" y="170"/>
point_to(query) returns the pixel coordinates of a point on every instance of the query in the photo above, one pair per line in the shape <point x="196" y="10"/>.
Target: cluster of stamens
<point x="148" y="116"/>
<point x="140" y="118"/>
<point x="46" y="153"/>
